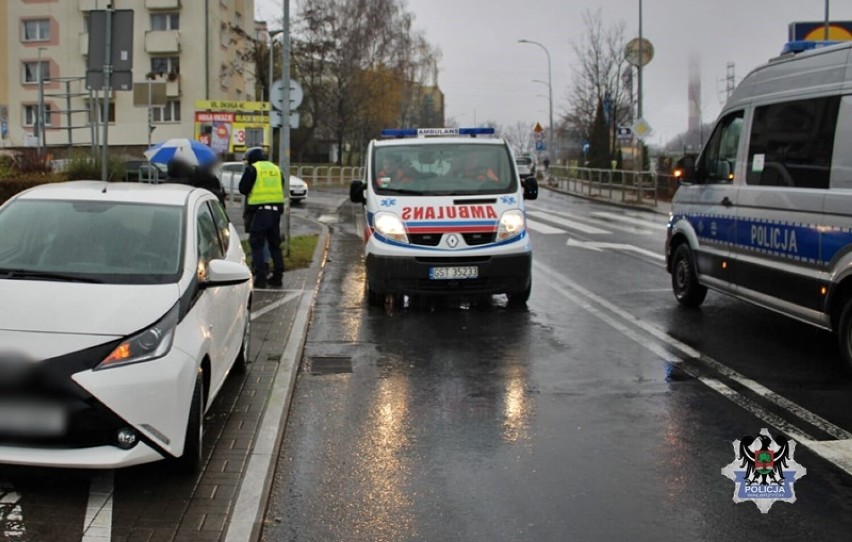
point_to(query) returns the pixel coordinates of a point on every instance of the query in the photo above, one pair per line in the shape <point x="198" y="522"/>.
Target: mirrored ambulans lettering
<point x="774" y="238"/>
<point x="448" y="212"/>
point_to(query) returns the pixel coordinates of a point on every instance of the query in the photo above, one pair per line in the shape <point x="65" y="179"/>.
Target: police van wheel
<point x="685" y="284"/>
<point x="844" y="336"/>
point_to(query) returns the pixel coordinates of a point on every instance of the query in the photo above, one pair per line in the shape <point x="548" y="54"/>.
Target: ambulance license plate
<point x="454" y="273"/>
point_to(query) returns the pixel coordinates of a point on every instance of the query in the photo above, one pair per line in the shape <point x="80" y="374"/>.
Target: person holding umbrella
<point x="263" y="187"/>
<point x="189" y="162"/>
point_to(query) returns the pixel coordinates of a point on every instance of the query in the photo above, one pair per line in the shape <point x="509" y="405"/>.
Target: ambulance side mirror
<point x="530" y="185"/>
<point x="356" y="191"/>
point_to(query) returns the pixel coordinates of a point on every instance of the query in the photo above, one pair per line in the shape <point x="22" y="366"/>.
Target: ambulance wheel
<point x="517" y="299"/>
<point x="375" y="299"/>
<point x="844" y="336"/>
<point x="191" y="460"/>
<point x="685" y="284"/>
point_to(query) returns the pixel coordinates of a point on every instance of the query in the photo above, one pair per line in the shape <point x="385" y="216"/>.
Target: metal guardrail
<point x="327" y="175"/>
<point x="618" y="185"/>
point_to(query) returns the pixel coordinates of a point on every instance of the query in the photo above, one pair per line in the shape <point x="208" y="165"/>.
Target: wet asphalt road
<point x="602" y="412"/>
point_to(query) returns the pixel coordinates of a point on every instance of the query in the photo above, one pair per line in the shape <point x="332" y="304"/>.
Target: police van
<point x="765" y="212"/>
<point x="444" y="215"/>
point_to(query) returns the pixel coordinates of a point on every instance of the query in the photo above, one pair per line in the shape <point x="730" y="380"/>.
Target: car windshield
<point x="443" y="169"/>
<point x="122" y="243"/>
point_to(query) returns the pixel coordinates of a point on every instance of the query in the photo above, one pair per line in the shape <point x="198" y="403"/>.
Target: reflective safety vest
<point x="268" y="186"/>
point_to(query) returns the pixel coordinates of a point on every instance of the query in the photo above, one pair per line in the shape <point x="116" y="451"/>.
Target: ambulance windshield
<point x="443" y="169"/>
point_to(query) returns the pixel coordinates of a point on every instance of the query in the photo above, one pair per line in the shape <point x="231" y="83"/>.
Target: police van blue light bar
<point x="430" y="132"/>
<point x="800" y="46"/>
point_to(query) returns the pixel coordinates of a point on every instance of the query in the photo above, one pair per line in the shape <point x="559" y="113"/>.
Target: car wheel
<point x="191" y="460"/>
<point x="241" y="363"/>
<point x="517" y="299"/>
<point x="844" y="336"/>
<point x="685" y="284"/>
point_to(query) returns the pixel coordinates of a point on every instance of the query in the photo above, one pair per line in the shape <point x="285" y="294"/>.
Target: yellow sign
<point x="538" y="129"/>
<point x="225" y="105"/>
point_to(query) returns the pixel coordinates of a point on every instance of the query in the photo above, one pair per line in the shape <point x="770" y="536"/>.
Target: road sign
<point x="538" y="129"/>
<point x="631" y="52"/>
<point x="624" y="132"/>
<point x="4" y="129"/>
<point x="296" y="94"/>
<point x="642" y="129"/>
<point x="121" y="55"/>
<point x="275" y="119"/>
<point x="539" y="145"/>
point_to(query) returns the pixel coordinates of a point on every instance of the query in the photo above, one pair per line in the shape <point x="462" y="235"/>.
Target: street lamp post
<point x="40" y="107"/>
<point x="550" y="149"/>
<point x="272" y="35"/>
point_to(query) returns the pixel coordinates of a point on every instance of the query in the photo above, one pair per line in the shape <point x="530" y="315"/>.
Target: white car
<point x="124" y="308"/>
<point x="230" y="173"/>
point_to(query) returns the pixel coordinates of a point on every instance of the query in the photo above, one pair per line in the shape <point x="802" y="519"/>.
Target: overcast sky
<point x="486" y="75"/>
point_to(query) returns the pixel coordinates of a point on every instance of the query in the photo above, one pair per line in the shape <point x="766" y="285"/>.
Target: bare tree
<point x="519" y="136"/>
<point x="598" y="78"/>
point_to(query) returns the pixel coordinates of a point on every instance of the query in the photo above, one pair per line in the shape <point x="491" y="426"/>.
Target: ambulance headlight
<point x="512" y="223"/>
<point x="152" y="343"/>
<point x="390" y="226"/>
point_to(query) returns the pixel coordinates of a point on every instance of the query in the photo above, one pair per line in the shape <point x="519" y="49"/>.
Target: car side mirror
<point x="530" y="185"/>
<point x="356" y="191"/>
<point x="684" y="170"/>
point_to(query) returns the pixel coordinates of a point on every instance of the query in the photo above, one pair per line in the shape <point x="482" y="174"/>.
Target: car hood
<point x="111" y="310"/>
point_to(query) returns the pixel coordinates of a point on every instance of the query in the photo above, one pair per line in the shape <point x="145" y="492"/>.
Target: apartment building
<point x="195" y="47"/>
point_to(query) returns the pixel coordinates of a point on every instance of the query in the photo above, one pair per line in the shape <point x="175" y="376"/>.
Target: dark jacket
<point x="205" y="178"/>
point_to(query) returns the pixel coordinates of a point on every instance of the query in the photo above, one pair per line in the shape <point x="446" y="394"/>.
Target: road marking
<point x="97" y="525"/>
<point x="661" y="225"/>
<point x="593" y="221"/>
<point x="543" y="228"/>
<point x="11" y="513"/>
<point x="596" y="246"/>
<point x="571" y="224"/>
<point x="273" y="306"/>
<point x="839" y="456"/>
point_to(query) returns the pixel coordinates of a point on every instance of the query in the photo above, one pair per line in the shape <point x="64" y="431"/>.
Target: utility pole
<point x="284" y="136"/>
<point x="40" y="106"/>
<point x="825" y="29"/>
<point x="107" y="87"/>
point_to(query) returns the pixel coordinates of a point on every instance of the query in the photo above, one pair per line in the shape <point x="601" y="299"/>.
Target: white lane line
<point x="11" y="513"/>
<point x="571" y="224"/>
<point x="594" y="245"/>
<point x="543" y="228"/>
<point x="661" y="225"/>
<point x="273" y="306"/>
<point x="97" y="525"/>
<point x="843" y="462"/>
<point x="592" y="221"/>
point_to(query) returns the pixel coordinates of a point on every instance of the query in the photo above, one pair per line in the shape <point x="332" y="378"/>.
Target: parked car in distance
<point x="230" y="173"/>
<point x="144" y="171"/>
<point x="150" y="300"/>
<point x="526" y="166"/>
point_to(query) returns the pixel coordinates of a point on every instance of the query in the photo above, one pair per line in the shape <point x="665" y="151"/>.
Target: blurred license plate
<point x="454" y="273"/>
<point x="32" y="419"/>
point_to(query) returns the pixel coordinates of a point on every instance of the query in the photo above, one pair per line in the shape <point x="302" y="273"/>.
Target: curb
<point x="246" y="519"/>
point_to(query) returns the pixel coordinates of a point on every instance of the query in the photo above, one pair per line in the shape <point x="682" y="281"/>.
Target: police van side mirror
<point x="530" y="185"/>
<point x="356" y="191"/>
<point x="684" y="170"/>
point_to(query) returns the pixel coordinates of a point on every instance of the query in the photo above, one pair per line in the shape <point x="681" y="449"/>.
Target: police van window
<point x="791" y="143"/>
<point x="720" y="154"/>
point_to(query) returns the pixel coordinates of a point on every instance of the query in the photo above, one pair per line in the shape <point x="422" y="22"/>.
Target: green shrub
<point x="84" y="167"/>
<point x="30" y="161"/>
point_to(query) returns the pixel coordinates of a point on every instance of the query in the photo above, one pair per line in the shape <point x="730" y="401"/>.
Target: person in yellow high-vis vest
<point x="263" y="188"/>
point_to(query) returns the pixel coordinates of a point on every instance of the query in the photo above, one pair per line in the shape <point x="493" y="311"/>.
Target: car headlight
<point x="152" y="343"/>
<point x="389" y="225"/>
<point x="512" y="223"/>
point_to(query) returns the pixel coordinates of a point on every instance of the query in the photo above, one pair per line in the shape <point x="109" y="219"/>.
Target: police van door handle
<point x="727" y="202"/>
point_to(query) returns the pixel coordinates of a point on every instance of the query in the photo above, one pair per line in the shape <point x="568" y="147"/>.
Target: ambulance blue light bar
<point x="431" y="132"/>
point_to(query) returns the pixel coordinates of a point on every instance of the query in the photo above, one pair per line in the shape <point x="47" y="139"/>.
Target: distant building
<point x="190" y="45"/>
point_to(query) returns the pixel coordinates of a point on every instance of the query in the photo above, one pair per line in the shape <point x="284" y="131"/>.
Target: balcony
<point x="162" y="4"/>
<point x="162" y="41"/>
<point x="89" y="5"/>
<point x="173" y="87"/>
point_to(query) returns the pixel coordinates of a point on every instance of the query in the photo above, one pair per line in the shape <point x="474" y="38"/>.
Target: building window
<point x="165" y="21"/>
<point x="36" y="30"/>
<point x="31" y="114"/>
<point x="165" y="64"/>
<point x="239" y="95"/>
<point x="223" y="76"/>
<point x="167" y="113"/>
<point x="31" y="70"/>
<point x="99" y="110"/>
<point x="224" y="38"/>
<point x="239" y="19"/>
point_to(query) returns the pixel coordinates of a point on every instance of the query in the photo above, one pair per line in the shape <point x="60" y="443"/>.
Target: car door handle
<point x="727" y="202"/>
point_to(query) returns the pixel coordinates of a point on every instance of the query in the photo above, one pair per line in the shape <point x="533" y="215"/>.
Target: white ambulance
<point x="444" y="215"/>
<point x="765" y="213"/>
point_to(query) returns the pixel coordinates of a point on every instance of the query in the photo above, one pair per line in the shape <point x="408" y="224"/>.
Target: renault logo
<point x="453" y="241"/>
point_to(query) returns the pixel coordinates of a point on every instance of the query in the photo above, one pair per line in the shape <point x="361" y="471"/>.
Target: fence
<point x="622" y="186"/>
<point x="327" y="175"/>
